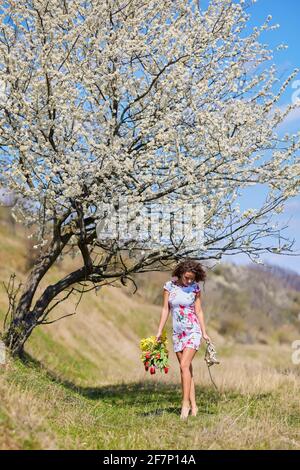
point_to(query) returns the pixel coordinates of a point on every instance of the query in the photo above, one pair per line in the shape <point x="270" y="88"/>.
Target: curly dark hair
<point x="191" y="266"/>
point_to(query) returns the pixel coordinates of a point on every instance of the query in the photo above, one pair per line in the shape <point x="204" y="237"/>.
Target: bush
<point x="231" y="326"/>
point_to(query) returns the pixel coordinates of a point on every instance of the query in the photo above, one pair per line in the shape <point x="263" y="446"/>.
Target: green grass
<point x="144" y="415"/>
<point x="65" y="362"/>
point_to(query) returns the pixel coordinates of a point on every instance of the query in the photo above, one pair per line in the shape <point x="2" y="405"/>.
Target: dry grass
<point x="84" y="386"/>
<point x="252" y="413"/>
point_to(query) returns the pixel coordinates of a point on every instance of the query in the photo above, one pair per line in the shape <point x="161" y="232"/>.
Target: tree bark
<point x="24" y="320"/>
<point x="22" y="326"/>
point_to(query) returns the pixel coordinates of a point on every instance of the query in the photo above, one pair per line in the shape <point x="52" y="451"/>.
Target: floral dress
<point x="186" y="328"/>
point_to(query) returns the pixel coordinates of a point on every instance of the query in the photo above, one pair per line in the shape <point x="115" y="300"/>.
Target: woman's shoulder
<point x="196" y="286"/>
<point x="169" y="285"/>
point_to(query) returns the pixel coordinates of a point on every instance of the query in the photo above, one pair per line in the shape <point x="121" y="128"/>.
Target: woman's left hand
<point x="206" y="338"/>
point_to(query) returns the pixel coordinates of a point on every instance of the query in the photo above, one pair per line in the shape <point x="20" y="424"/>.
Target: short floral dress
<point x="186" y="328"/>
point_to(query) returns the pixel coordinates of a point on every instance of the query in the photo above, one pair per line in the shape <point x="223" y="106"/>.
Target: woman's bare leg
<point x="179" y="356"/>
<point x="185" y="363"/>
<point x="192" y="391"/>
<point x="187" y="357"/>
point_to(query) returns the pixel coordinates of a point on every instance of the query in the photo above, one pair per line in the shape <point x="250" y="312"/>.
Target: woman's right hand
<point x="158" y="337"/>
<point x="206" y="338"/>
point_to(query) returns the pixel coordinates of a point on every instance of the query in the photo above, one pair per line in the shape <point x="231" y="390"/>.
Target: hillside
<point x="83" y="385"/>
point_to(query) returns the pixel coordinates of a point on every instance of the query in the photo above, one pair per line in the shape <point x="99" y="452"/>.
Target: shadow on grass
<point x="149" y="398"/>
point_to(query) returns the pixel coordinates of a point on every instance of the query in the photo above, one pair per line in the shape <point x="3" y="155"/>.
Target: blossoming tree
<point x="151" y="101"/>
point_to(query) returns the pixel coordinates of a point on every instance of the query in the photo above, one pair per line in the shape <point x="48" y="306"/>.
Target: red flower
<point x="152" y="370"/>
<point x="157" y="356"/>
<point x="147" y="355"/>
<point x="166" y="369"/>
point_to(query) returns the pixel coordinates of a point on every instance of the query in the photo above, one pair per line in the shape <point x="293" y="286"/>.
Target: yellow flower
<point x="155" y="353"/>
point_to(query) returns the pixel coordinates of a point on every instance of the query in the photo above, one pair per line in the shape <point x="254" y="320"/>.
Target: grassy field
<point x="83" y="386"/>
<point x="41" y="411"/>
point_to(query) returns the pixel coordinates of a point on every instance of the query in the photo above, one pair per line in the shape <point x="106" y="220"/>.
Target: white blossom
<point x="102" y="99"/>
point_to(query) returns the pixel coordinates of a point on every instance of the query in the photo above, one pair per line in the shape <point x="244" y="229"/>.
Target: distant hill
<point x="287" y="277"/>
<point x="253" y="304"/>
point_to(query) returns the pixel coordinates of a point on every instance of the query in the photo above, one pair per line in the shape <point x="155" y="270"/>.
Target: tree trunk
<point x="25" y="321"/>
<point x="23" y="318"/>
<point x="17" y="334"/>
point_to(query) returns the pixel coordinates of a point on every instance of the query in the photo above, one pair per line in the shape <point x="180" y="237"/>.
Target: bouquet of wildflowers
<point x="155" y="354"/>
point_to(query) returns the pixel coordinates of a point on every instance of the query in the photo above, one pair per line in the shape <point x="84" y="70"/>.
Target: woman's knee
<point x="184" y="366"/>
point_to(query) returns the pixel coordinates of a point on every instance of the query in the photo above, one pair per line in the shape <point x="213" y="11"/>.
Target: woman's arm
<point x="200" y="315"/>
<point x="164" y="314"/>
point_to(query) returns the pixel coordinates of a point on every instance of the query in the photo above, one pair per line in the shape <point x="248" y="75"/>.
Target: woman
<point x="183" y="297"/>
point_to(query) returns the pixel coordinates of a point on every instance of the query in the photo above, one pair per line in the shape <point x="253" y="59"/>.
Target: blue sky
<point x="286" y="13"/>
